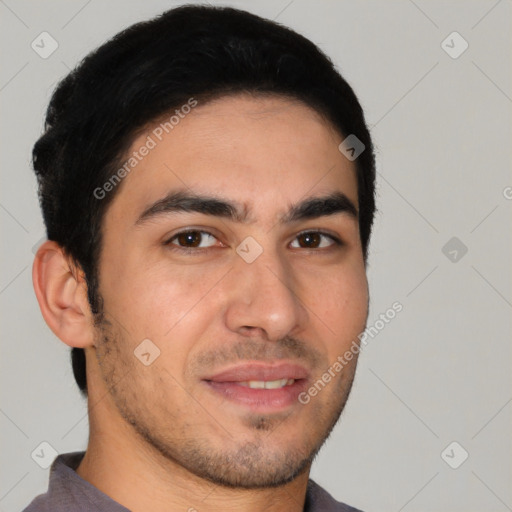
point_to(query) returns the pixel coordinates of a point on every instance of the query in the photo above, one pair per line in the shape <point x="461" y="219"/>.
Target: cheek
<point x="163" y="301"/>
<point x="341" y="302"/>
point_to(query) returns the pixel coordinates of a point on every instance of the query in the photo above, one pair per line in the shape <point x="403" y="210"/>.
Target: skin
<point x="160" y="439"/>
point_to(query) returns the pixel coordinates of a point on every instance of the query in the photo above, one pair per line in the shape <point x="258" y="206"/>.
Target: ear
<point x="61" y="291"/>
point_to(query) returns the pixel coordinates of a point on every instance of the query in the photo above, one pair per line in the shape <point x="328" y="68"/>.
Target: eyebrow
<point x="311" y="208"/>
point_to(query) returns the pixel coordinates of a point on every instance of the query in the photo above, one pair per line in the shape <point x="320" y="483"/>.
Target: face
<point x="232" y="250"/>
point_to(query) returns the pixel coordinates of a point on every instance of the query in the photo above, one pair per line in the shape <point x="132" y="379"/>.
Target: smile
<point x="269" y="384"/>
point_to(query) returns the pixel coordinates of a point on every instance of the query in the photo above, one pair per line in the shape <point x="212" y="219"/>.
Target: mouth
<point x="267" y="384"/>
<point x="262" y="388"/>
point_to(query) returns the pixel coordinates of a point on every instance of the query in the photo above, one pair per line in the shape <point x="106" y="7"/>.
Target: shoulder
<point x="38" y="504"/>
<point x="58" y="494"/>
<point x="319" y="500"/>
<point x="68" y="491"/>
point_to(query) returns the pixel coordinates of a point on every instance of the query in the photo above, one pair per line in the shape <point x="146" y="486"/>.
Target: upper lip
<point x="261" y="372"/>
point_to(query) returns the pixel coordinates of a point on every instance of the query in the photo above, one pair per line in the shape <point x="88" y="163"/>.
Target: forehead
<point x="265" y="152"/>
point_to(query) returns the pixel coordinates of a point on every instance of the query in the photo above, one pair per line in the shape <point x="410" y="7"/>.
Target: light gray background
<point x="440" y="371"/>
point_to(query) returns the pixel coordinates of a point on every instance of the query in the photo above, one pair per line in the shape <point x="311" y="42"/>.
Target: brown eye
<point x="309" y="240"/>
<point x="314" y="240"/>
<point x="191" y="239"/>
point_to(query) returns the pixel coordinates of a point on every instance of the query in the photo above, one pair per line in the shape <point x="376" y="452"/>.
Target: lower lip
<point x="260" y="400"/>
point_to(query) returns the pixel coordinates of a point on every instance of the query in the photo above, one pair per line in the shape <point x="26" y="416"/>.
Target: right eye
<point x="191" y="239"/>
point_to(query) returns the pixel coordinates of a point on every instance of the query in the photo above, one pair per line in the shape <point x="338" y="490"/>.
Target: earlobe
<point x="61" y="291"/>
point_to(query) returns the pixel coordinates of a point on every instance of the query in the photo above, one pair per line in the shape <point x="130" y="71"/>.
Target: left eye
<point x="314" y="240"/>
<point x="190" y="239"/>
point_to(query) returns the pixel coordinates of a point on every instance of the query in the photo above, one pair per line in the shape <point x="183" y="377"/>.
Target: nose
<point x="263" y="299"/>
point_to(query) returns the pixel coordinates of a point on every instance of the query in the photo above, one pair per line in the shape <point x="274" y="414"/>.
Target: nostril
<point x="250" y="330"/>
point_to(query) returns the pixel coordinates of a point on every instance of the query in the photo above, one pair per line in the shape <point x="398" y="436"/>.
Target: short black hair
<point x="152" y="68"/>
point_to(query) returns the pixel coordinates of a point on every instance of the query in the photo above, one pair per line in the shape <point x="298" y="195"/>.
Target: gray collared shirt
<point x="68" y="492"/>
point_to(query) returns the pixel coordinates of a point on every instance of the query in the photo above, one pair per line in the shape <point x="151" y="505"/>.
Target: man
<point x="207" y="184"/>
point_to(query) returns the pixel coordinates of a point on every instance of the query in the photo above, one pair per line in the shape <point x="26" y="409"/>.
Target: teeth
<point x="269" y="384"/>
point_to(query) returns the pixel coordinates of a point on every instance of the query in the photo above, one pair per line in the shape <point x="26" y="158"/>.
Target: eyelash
<point x="199" y="250"/>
